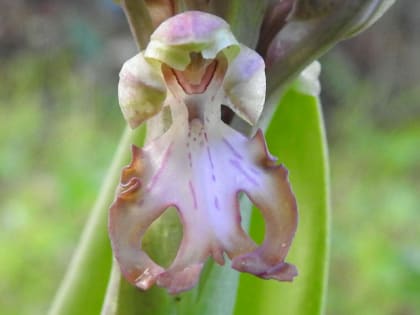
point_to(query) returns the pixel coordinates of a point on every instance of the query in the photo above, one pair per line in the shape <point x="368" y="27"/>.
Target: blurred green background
<point x="60" y="124"/>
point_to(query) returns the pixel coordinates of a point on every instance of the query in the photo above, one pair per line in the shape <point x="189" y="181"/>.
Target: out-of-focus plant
<point x="289" y="36"/>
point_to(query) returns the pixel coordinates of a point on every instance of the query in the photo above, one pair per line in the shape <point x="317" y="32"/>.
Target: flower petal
<point x="192" y="31"/>
<point x="277" y="203"/>
<point x="245" y="85"/>
<point x="128" y="223"/>
<point x="141" y="90"/>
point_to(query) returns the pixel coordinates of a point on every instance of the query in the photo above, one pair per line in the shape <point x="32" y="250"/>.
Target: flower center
<point x="197" y="76"/>
<point x="196" y="86"/>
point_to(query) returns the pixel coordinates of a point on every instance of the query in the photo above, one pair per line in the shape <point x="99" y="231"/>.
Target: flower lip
<point x="211" y="217"/>
<point x="181" y="84"/>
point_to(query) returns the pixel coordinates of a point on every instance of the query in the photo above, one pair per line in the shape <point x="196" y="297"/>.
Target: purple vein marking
<point x="210" y="158"/>
<point x="230" y="146"/>
<point x="253" y="170"/>
<point x="193" y="194"/>
<point x="216" y="203"/>
<point x="160" y="170"/>
<point x="238" y="166"/>
<point x="189" y="159"/>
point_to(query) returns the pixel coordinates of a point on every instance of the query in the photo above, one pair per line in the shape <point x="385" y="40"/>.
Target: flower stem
<point x="139" y="19"/>
<point x="111" y="297"/>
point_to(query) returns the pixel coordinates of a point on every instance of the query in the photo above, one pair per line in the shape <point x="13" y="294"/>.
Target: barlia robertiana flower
<point x="194" y="161"/>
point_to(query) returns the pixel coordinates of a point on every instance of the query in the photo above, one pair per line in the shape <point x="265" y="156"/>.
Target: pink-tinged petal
<point x="278" y="205"/>
<point x="141" y="90"/>
<point x="128" y="223"/>
<point x="192" y="31"/>
<point x="245" y="85"/>
<point x="199" y="166"/>
<point x="189" y="27"/>
<point x="178" y="281"/>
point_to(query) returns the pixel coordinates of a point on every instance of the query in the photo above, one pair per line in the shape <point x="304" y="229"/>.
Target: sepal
<point x="141" y="90"/>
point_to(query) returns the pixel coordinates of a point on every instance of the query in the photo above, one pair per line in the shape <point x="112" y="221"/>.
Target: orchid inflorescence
<point x="194" y="161"/>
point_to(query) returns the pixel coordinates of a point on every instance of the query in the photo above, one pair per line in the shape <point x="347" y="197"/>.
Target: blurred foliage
<point x="372" y="88"/>
<point x="375" y="184"/>
<point x="60" y="123"/>
<point x="375" y="249"/>
<point x="58" y="131"/>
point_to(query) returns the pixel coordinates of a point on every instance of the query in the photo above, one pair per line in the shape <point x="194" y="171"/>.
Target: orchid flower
<point x="194" y="161"/>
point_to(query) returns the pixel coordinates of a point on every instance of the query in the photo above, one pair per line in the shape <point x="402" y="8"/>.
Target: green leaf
<point x="83" y="287"/>
<point x="296" y="136"/>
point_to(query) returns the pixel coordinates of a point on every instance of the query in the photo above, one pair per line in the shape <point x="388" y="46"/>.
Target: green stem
<point x="111" y="298"/>
<point x="83" y="287"/>
<point x="139" y="19"/>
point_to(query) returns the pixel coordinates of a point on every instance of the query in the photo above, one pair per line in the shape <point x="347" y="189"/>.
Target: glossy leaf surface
<point x="296" y="136"/>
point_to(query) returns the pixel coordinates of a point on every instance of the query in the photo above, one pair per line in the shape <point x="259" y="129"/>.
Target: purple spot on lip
<point x="216" y="203"/>
<point x="238" y="166"/>
<point x="189" y="159"/>
<point x="232" y="149"/>
<point x="253" y="170"/>
<point x="213" y="177"/>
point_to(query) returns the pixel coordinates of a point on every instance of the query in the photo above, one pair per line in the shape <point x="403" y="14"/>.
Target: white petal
<point x="245" y="85"/>
<point x="141" y="89"/>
